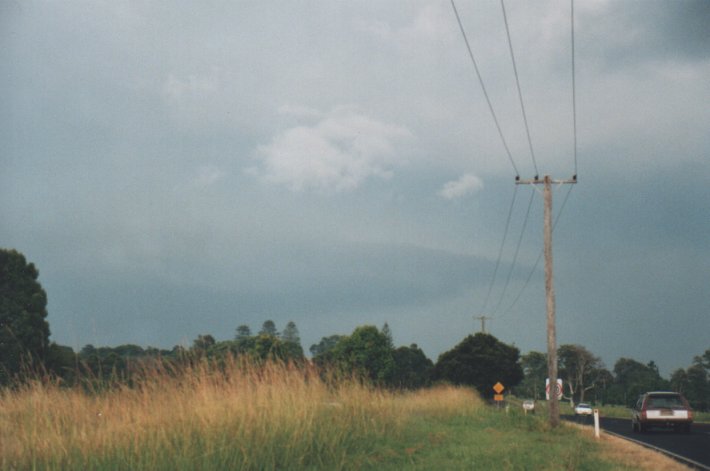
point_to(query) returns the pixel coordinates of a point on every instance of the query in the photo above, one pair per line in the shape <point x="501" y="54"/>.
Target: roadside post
<point x="498" y="388"/>
<point x="596" y="423"/>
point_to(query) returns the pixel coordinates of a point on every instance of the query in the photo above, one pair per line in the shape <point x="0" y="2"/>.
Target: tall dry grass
<point x="236" y="416"/>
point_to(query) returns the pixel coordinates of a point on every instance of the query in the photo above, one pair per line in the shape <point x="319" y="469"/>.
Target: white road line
<point x="675" y="456"/>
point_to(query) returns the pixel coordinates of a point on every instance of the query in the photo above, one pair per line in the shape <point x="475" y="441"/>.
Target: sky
<point x="182" y="168"/>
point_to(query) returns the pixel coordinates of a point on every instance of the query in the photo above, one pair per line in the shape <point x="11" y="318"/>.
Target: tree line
<point x="587" y="379"/>
<point x="368" y="352"/>
<point x="478" y="360"/>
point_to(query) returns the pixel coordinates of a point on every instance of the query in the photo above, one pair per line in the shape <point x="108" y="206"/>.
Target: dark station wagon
<point x="661" y="409"/>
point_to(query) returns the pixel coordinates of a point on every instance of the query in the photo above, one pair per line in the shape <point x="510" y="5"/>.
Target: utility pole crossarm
<point x="541" y="181"/>
<point x="483" y="322"/>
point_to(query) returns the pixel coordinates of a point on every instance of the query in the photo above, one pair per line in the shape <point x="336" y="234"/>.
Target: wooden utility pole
<point x="483" y="322"/>
<point x="554" y="404"/>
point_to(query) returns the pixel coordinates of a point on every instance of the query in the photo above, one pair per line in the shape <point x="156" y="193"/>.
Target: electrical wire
<point x="515" y="256"/>
<point x="574" y="92"/>
<point x="512" y="162"/>
<point x="539" y="257"/>
<point x="517" y="83"/>
<point x="485" y="92"/>
<point x="500" y="251"/>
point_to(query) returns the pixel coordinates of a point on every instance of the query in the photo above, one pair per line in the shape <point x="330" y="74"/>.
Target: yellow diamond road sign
<point x="498" y="388"/>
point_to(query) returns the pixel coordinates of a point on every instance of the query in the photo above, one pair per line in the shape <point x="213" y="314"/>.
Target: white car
<point x="582" y="409"/>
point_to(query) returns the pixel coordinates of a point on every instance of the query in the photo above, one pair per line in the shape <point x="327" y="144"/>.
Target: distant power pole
<point x="483" y="322"/>
<point x="554" y="405"/>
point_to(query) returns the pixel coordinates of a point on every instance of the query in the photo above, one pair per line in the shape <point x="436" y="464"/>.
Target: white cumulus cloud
<point x="465" y="185"/>
<point x="337" y="153"/>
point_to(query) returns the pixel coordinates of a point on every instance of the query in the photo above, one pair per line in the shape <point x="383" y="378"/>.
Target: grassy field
<point x="244" y="417"/>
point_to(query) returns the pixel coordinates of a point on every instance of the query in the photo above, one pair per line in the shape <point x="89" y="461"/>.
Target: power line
<point x="539" y="257"/>
<point x="500" y="251"/>
<point x="574" y="92"/>
<point x="517" y="83"/>
<point x="515" y="256"/>
<point x="483" y="87"/>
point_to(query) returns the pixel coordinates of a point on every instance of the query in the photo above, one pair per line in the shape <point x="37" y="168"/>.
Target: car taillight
<point x="643" y="414"/>
<point x="690" y="414"/>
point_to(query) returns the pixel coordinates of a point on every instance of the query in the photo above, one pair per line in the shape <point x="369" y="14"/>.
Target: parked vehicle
<point x="582" y="409"/>
<point x="662" y="409"/>
<point x="529" y="405"/>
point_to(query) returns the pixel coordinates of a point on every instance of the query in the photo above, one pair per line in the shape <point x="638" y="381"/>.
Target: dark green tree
<point x="292" y="341"/>
<point x="62" y="362"/>
<point x="604" y="383"/>
<point x="243" y="332"/>
<point x="325" y="345"/>
<point x="679" y="381"/>
<point x="698" y="387"/>
<point x="270" y="348"/>
<point x="269" y="328"/>
<point x="290" y="333"/>
<point x="412" y="368"/>
<point x="480" y="361"/>
<point x="323" y="352"/>
<point x="703" y="360"/>
<point x="694" y="382"/>
<point x="367" y="352"/>
<point x="534" y="366"/>
<point x="129" y="351"/>
<point x="388" y="333"/>
<point x="202" y="343"/>
<point x="24" y="331"/>
<point x="632" y="378"/>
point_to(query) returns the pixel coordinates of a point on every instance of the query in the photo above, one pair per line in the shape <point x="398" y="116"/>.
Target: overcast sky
<point x="176" y="168"/>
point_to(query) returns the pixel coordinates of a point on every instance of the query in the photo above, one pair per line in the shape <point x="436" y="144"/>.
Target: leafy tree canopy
<point x="367" y="351"/>
<point x="534" y="366"/>
<point x="290" y="333"/>
<point x="580" y="368"/>
<point x="24" y="331"/>
<point x="632" y="378"/>
<point x="243" y="332"/>
<point x="269" y="328"/>
<point x="480" y="361"/>
<point x="412" y="368"/>
<point x="325" y="345"/>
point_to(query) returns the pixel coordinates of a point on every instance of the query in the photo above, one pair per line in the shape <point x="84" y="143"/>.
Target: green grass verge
<point x="488" y="439"/>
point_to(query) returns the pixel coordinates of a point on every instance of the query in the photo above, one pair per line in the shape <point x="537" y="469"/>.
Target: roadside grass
<point x="248" y="417"/>
<point x="494" y="439"/>
<point x="233" y="416"/>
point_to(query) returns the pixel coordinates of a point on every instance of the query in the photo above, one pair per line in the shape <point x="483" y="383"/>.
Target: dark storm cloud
<point x="634" y="32"/>
<point x="313" y="280"/>
<point x="182" y="168"/>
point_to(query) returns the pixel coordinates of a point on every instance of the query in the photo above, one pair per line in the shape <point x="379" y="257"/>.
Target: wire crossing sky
<point x="530" y="146"/>
<point x="520" y="93"/>
<point x="483" y="89"/>
<point x="181" y="169"/>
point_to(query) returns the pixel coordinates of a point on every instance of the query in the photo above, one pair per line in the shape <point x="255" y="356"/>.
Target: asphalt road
<point x="694" y="446"/>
